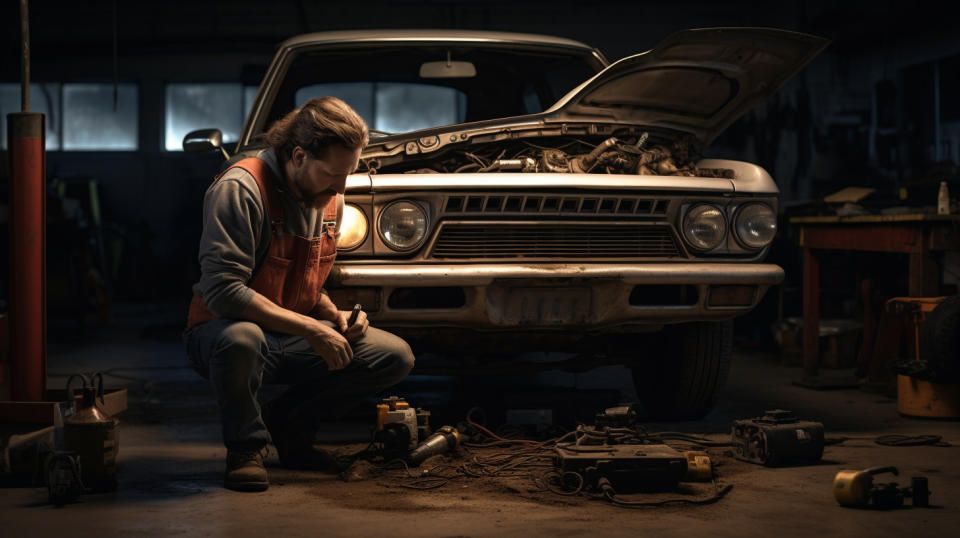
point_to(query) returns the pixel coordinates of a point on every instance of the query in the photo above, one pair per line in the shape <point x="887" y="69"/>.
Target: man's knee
<point x="237" y="352"/>
<point x="240" y="338"/>
<point x="398" y="358"/>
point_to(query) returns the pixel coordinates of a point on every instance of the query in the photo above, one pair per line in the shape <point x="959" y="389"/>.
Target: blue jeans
<point x="237" y="357"/>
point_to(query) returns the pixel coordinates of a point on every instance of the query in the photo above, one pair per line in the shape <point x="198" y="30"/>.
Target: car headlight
<point x="353" y="228"/>
<point x="756" y="225"/>
<point x="704" y="226"/>
<point x="403" y="225"/>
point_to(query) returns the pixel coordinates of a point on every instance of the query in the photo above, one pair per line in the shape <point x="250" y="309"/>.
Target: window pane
<point x="90" y="121"/>
<point x="359" y="95"/>
<point x="202" y="106"/>
<point x="44" y="98"/>
<point x="410" y="107"/>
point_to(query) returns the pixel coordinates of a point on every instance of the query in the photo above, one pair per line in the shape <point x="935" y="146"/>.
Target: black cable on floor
<point x="897" y="439"/>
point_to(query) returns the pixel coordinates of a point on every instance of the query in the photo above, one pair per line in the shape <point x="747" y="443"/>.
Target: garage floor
<point x="171" y="463"/>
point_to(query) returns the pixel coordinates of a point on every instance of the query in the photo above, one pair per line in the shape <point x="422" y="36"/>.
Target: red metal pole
<point x="28" y="320"/>
<point x="28" y="353"/>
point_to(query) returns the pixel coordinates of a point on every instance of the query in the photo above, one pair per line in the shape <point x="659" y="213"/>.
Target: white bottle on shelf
<point x="943" y="200"/>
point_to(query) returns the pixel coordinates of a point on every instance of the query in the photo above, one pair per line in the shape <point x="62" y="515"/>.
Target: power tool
<point x="777" y="438"/>
<point x="445" y="439"/>
<point x="856" y="489"/>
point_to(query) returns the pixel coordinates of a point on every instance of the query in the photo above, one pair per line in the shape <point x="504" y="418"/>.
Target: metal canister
<point x="92" y="435"/>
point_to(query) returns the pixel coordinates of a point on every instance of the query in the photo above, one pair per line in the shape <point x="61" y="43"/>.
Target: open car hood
<point x="694" y="81"/>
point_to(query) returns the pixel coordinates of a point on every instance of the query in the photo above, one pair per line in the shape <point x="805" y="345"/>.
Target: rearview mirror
<point x="447" y="69"/>
<point x="204" y="140"/>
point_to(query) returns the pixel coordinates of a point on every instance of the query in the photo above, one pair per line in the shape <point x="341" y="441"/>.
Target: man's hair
<point x="320" y="123"/>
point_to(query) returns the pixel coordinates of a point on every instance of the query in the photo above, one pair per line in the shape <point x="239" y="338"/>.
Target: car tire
<point x="683" y="370"/>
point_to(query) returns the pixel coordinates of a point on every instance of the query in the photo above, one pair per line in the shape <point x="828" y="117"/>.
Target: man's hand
<point x="331" y="346"/>
<point x="355" y="331"/>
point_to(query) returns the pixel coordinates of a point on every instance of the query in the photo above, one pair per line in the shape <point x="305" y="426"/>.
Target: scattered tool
<point x="856" y="489"/>
<point x="445" y="439"/>
<point x="92" y="436"/>
<point x="396" y="425"/>
<point x="777" y="438"/>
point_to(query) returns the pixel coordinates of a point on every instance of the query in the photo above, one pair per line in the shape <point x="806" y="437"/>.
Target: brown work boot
<point x="245" y="471"/>
<point x="295" y="447"/>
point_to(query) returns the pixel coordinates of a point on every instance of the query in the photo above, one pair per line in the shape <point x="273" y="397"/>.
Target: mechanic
<point x="259" y="313"/>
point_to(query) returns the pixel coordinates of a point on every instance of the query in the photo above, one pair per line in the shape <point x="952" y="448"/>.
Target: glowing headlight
<point x="403" y="225"/>
<point x="704" y="227"/>
<point x="353" y="228"/>
<point x="756" y="224"/>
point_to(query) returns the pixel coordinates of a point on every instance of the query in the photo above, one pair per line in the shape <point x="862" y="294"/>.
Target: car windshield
<point x="385" y="86"/>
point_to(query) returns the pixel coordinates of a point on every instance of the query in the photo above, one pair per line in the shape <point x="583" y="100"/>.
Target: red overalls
<point x="295" y="267"/>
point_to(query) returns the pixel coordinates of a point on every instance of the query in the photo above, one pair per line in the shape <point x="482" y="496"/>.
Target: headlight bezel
<point x="688" y="217"/>
<point x="735" y="225"/>
<point x="380" y="228"/>
<point x="366" y="227"/>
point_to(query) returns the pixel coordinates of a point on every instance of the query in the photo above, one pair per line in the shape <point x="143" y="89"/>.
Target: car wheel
<point x="683" y="369"/>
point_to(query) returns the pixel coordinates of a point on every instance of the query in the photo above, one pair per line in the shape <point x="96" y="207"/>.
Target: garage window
<point x="44" y="98"/>
<point x="191" y="106"/>
<point x="91" y="122"/>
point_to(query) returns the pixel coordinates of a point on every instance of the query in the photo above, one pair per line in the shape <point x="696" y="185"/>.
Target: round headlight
<point x="353" y="228"/>
<point x="403" y="225"/>
<point x="705" y="227"/>
<point x="756" y="224"/>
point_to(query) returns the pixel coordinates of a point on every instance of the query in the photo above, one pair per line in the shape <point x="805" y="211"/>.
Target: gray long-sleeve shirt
<point x="236" y="235"/>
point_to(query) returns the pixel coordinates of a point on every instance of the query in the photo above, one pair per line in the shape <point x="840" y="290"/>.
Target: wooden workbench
<point x="917" y="235"/>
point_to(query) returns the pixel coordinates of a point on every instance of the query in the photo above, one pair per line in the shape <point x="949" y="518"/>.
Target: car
<point x="521" y="193"/>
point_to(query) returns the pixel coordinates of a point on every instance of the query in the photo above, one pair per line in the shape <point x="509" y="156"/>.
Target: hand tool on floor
<point x="777" y="438"/>
<point x="856" y="489"/>
<point x="445" y="439"/>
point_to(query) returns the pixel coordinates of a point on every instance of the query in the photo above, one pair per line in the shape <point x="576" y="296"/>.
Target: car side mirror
<point x="203" y="140"/>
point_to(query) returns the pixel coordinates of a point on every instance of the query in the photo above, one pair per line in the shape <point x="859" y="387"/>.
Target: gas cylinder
<point x="92" y="435"/>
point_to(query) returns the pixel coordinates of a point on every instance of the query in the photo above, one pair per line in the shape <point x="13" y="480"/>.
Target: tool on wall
<point x="777" y="438"/>
<point x="856" y="489"/>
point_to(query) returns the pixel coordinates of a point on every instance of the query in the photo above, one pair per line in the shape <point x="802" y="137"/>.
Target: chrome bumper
<point x="592" y="297"/>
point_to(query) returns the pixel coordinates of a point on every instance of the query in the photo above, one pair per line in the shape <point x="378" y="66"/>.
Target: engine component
<point x="526" y="164"/>
<point x="856" y="489"/>
<point x="777" y="438"/>
<point x="628" y="467"/>
<point x="445" y="439"/>
<point x="584" y="164"/>
<point x="555" y="160"/>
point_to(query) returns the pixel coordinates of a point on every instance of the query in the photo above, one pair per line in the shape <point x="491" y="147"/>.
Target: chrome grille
<point x="564" y="240"/>
<point x="554" y="205"/>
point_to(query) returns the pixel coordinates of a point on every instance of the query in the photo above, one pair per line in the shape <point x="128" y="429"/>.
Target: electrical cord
<point x="910" y="440"/>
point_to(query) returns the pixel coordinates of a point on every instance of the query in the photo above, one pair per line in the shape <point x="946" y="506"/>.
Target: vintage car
<point x="521" y="193"/>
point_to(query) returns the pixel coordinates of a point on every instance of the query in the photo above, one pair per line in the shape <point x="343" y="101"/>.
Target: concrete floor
<point x="171" y="463"/>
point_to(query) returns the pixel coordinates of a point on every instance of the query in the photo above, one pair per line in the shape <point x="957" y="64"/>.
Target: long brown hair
<point x="320" y="123"/>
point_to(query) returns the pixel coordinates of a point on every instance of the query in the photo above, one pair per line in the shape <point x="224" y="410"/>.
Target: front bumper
<point x="608" y="297"/>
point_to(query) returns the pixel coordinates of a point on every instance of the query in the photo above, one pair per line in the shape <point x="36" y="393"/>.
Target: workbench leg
<point x="811" y="314"/>
<point x="924" y="275"/>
